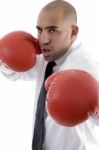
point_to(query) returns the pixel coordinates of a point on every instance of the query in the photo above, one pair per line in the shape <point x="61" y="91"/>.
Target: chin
<point x="48" y="59"/>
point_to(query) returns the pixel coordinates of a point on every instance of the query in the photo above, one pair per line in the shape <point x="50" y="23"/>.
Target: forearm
<point x="8" y="73"/>
<point x="13" y="75"/>
<point x="95" y="117"/>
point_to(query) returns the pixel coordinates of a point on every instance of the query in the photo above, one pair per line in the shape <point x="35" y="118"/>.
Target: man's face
<point x="54" y="34"/>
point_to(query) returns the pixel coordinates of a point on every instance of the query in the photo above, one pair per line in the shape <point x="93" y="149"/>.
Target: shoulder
<point x="81" y="59"/>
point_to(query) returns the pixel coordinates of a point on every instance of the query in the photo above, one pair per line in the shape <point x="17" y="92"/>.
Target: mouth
<point x="46" y="52"/>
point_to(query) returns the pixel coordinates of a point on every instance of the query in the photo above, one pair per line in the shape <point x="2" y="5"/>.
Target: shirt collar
<point x="73" y="47"/>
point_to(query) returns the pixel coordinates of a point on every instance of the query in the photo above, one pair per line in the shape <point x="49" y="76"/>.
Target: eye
<point x="52" y="30"/>
<point x="39" y="30"/>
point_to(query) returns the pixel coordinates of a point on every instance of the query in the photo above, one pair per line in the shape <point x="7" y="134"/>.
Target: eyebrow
<point x="49" y="27"/>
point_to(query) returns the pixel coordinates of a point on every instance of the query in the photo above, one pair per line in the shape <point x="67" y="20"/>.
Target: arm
<point x="95" y="117"/>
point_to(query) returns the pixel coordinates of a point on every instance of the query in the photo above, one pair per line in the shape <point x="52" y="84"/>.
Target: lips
<point x="46" y="52"/>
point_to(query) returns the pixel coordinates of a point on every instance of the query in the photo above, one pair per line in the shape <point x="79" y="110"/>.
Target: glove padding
<point x="72" y="96"/>
<point x="18" y="50"/>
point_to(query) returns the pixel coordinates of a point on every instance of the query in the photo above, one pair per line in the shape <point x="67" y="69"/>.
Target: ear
<point x="74" y="31"/>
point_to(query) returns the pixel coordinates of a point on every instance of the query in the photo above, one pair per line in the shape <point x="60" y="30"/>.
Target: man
<point x="57" y="29"/>
<point x="57" y="32"/>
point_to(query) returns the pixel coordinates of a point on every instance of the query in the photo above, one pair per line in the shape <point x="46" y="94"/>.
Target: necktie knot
<point x="51" y="63"/>
<point x="49" y="68"/>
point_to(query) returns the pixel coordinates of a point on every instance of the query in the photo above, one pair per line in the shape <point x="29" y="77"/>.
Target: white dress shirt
<point x="58" y="137"/>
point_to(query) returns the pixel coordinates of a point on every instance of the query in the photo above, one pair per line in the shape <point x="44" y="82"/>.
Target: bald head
<point x="66" y="8"/>
<point x="57" y="29"/>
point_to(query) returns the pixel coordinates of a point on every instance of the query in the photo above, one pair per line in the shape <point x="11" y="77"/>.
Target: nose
<point x="44" y="38"/>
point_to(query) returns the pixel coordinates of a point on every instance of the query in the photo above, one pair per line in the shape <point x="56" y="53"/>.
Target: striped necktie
<point x="39" y="131"/>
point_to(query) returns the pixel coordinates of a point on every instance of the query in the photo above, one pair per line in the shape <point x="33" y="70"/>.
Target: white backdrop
<point x="16" y="98"/>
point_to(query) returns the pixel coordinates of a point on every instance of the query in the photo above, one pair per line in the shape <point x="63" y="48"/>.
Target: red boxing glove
<point x="37" y="46"/>
<point x="72" y="96"/>
<point x="18" y="50"/>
